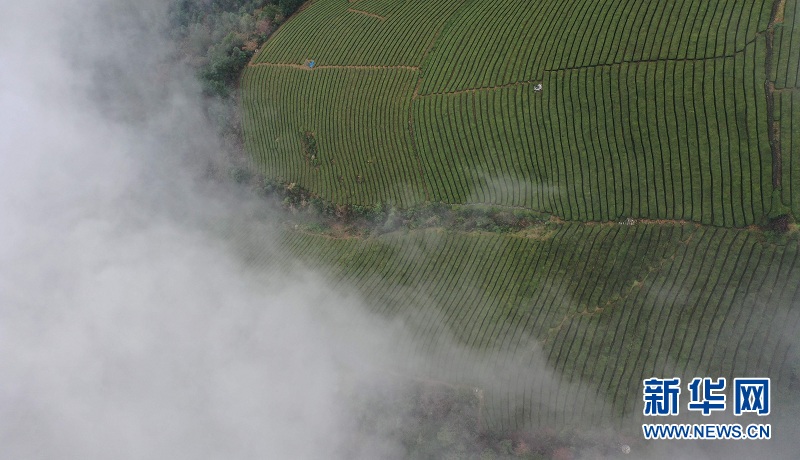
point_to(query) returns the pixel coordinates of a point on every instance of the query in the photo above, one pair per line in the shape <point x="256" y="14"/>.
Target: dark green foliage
<point x="287" y="7"/>
<point x="225" y="62"/>
<point x="219" y="37"/>
<point x="780" y="224"/>
<point x="380" y="218"/>
<point x="240" y="175"/>
<point x="310" y="148"/>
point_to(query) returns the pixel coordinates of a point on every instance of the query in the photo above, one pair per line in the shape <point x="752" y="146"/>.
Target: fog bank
<point x="129" y="326"/>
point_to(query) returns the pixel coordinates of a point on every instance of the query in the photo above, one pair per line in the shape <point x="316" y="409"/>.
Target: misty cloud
<point x="129" y="328"/>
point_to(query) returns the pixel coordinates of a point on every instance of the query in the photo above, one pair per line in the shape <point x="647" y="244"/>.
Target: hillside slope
<point x="604" y="306"/>
<point x="646" y="110"/>
<point x="678" y="114"/>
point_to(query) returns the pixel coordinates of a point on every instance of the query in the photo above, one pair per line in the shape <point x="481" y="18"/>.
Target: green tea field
<point x="661" y="136"/>
<point x="589" y="110"/>
<point x="605" y="306"/>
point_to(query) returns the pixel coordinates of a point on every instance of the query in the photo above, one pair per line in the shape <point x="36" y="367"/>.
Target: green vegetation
<point x="489" y="44"/>
<point x="609" y="141"/>
<point x="310" y="147"/>
<point x="362" y="33"/>
<point x="609" y="305"/>
<point x="360" y="122"/>
<point x="654" y="111"/>
<point x="786" y="65"/>
<point x="219" y="37"/>
<point x="785" y="74"/>
<point x="790" y="145"/>
<point x="443" y="142"/>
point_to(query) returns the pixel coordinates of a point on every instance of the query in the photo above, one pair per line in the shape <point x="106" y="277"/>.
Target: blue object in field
<point x="311" y="64"/>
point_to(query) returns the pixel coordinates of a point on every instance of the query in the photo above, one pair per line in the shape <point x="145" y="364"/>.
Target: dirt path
<point x="618" y="299"/>
<point x="594" y="66"/>
<point x="481" y="88"/>
<point x="632" y="221"/>
<point x="367" y="13"/>
<point x="353" y="67"/>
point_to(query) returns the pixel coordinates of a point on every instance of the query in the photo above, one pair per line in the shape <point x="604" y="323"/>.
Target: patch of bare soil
<point x="367" y="13"/>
